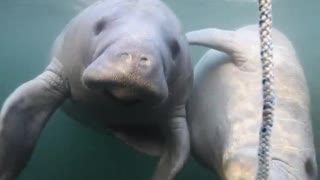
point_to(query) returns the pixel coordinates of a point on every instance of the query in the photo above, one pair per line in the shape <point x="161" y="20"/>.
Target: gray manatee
<point x="225" y="109"/>
<point x="120" y="67"/>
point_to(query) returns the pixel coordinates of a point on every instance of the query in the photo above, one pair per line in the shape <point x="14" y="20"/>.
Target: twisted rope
<point x="265" y="24"/>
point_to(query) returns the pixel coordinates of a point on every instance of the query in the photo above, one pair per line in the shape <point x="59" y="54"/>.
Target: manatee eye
<point x="175" y="48"/>
<point x="100" y="26"/>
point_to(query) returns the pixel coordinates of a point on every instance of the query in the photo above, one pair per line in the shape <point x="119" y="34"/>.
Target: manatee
<point x="118" y="67"/>
<point x="225" y="109"/>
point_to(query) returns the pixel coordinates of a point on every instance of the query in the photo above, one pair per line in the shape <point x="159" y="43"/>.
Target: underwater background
<point x="68" y="151"/>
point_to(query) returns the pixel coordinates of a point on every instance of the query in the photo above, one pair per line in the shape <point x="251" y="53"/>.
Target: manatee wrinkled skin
<point x="119" y="67"/>
<point x="225" y="109"/>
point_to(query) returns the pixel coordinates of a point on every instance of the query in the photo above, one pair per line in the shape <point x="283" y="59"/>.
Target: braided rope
<point x="265" y="22"/>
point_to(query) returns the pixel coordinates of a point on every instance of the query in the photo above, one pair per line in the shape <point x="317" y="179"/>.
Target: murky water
<point x="67" y="150"/>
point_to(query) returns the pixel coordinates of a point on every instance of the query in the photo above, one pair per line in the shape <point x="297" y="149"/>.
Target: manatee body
<point x="118" y="66"/>
<point x="225" y="108"/>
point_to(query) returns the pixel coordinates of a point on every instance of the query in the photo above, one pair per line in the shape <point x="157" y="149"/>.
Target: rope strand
<point x="265" y="24"/>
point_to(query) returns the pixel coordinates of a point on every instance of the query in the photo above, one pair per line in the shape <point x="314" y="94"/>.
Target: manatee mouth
<point x="127" y="101"/>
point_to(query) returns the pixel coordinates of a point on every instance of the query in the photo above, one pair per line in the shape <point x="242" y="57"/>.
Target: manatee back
<point x="207" y="107"/>
<point x="224" y="111"/>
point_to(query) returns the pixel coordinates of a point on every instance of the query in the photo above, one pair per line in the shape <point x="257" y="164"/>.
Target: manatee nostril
<point x="143" y="58"/>
<point x="125" y="56"/>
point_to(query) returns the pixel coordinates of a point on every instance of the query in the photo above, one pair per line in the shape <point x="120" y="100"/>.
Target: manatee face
<point x="132" y="59"/>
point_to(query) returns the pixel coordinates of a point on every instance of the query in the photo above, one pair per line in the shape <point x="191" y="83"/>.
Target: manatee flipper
<point x="233" y="43"/>
<point x="23" y="117"/>
<point x="176" y="148"/>
<point x="221" y="40"/>
<point x="171" y="142"/>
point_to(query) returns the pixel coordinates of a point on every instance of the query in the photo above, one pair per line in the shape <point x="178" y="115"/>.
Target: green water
<point x="68" y="151"/>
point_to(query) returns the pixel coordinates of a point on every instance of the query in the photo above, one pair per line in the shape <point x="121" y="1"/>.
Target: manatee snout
<point x="130" y="72"/>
